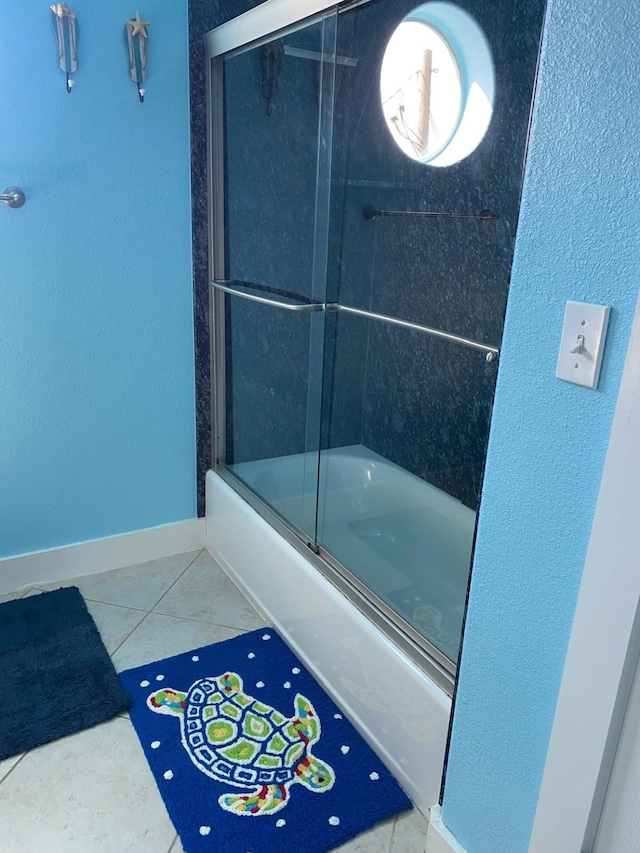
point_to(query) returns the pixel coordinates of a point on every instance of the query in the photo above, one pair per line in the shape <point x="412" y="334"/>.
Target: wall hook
<point x="65" y="27"/>
<point x="137" y="42"/>
<point x="13" y="197"/>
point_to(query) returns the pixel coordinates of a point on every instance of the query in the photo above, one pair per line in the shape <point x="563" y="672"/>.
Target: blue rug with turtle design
<point x="250" y="754"/>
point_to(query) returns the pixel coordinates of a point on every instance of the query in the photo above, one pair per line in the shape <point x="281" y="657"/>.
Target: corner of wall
<point x="439" y="838"/>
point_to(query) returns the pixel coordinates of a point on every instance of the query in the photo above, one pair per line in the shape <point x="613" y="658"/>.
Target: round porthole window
<point x="437" y="84"/>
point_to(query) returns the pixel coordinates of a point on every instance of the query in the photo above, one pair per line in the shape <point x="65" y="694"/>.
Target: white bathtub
<point x="371" y="509"/>
<point x="405" y="539"/>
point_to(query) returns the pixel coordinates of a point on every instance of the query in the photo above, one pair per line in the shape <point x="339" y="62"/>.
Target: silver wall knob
<point x="13" y="197"/>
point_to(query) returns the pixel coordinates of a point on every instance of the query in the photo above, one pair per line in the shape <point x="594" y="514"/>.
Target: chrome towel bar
<point x="302" y="306"/>
<point x="490" y="352"/>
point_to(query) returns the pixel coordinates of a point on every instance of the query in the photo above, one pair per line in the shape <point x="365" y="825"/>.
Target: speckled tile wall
<point x="426" y="403"/>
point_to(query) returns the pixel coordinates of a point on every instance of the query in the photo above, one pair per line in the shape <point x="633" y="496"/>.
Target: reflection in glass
<point x="437" y="84"/>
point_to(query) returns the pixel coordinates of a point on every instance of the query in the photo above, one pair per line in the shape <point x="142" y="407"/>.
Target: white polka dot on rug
<point x="159" y="677"/>
<point x="204" y="830"/>
<point x="266" y="636"/>
<point x="281" y="822"/>
<point x="251" y="655"/>
<point x="334" y="821"/>
<point x="259" y="683"/>
<point x="344" y="749"/>
<point x="155" y="744"/>
<point x="145" y="683"/>
<point x="337" y="716"/>
<point x="195" y="658"/>
<point x="168" y="774"/>
<point x="296" y="670"/>
<point x="374" y="776"/>
<point x="287" y="685"/>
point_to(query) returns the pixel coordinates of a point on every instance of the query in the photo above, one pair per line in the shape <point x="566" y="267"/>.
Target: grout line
<point x="173" y="843"/>
<point x="186" y="569"/>
<point x="147" y="612"/>
<point x="123" y="606"/>
<point x="132" y="631"/>
<point x="392" y="842"/>
<point x="9" y="772"/>
<point x="245" y="630"/>
<point x="207" y="622"/>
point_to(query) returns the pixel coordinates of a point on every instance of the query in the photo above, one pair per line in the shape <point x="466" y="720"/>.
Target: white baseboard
<point x="100" y="555"/>
<point x="439" y="839"/>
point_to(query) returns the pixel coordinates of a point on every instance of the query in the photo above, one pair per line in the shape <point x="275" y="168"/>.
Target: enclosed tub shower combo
<point x="365" y="174"/>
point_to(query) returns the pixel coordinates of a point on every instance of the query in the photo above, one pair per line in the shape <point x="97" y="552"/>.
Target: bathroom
<point x="104" y="413"/>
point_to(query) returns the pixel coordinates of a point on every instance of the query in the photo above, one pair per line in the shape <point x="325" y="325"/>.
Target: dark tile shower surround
<point x="419" y="402"/>
<point x="204" y="15"/>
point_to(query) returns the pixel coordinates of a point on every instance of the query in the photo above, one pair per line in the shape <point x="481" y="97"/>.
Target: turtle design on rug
<point x="234" y="738"/>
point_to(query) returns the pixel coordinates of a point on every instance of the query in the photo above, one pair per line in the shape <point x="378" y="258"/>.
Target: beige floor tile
<point x="114" y="623"/>
<point x="7" y="764"/>
<point x="138" y="587"/>
<point x="410" y="833"/>
<point x="160" y="637"/>
<point x="374" y="840"/>
<point x="92" y="791"/>
<point x="205" y="593"/>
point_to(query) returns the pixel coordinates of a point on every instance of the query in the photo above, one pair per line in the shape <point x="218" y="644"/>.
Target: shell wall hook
<point x="65" y="26"/>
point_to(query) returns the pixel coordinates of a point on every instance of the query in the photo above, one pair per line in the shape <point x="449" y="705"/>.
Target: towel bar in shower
<point x="370" y="212"/>
<point x="490" y="352"/>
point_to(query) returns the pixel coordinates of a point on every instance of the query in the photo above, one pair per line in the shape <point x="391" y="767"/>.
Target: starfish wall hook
<point x="137" y="40"/>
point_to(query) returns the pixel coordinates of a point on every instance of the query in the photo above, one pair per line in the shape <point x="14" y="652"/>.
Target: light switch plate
<point x="583" y="336"/>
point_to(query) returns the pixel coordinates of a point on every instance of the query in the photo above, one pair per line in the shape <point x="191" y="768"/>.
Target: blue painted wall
<point x="96" y="330"/>
<point x="577" y="239"/>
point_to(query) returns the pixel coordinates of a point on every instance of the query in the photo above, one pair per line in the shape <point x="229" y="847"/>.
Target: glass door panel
<point x="423" y="224"/>
<point x="401" y="470"/>
<point x="270" y="270"/>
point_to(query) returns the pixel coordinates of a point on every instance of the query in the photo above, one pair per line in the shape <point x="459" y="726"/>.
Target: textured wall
<point x="577" y="239"/>
<point x="96" y="330"/>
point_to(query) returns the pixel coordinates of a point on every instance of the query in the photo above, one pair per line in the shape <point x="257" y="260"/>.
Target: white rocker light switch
<point x="583" y="336"/>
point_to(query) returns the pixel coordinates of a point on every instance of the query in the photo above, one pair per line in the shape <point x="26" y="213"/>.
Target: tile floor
<point x="93" y="791"/>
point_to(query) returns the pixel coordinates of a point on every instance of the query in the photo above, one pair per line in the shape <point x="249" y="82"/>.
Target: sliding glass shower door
<point x="366" y="193"/>
<point x="273" y="136"/>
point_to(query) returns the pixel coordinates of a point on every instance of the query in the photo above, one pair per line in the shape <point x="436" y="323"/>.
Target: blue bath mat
<point x="251" y="755"/>
<point x="57" y="677"/>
